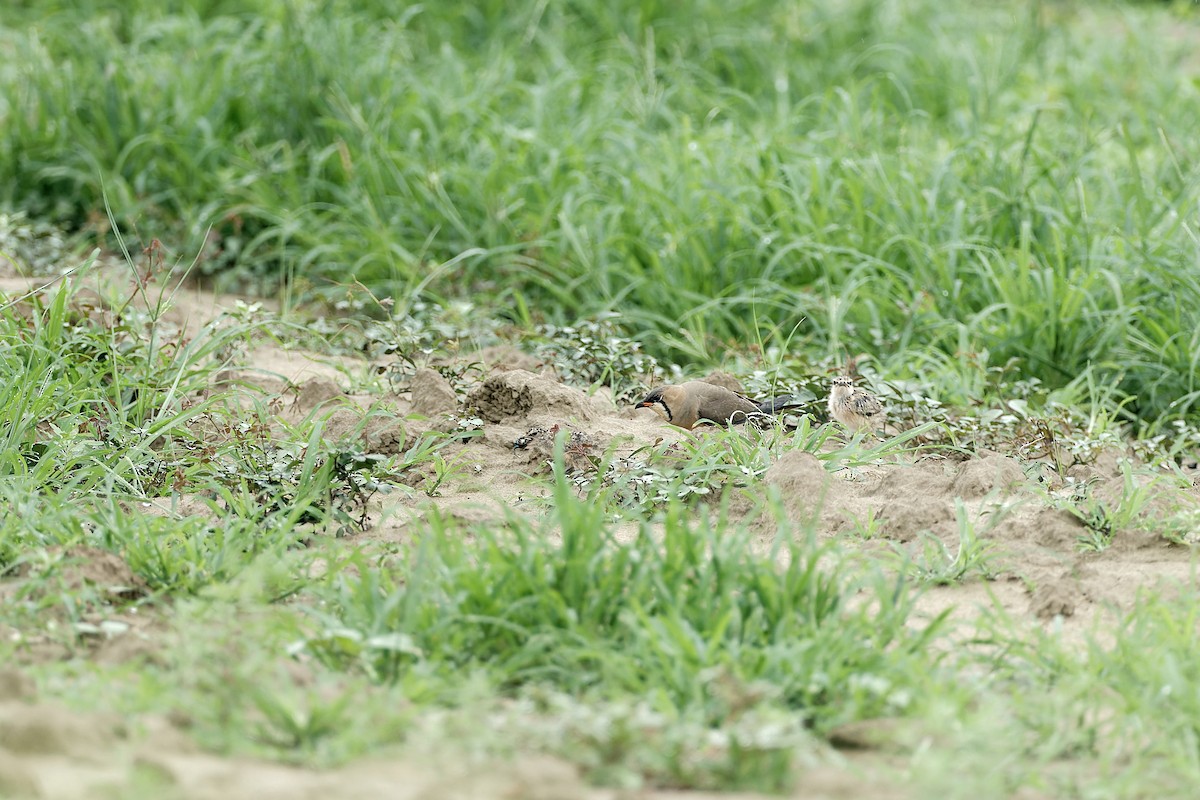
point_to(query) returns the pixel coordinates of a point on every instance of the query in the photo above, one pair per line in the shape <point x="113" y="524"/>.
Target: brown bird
<point x="696" y="401"/>
<point x="857" y="409"/>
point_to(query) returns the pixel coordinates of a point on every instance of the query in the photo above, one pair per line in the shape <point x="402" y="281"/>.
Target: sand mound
<point x="315" y="392"/>
<point x="82" y="567"/>
<point x="432" y="393"/>
<point x="991" y="472"/>
<point x="518" y="394"/>
<point x="810" y="493"/>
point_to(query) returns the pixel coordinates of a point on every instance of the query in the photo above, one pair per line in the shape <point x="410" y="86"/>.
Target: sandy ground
<point x="1045" y="580"/>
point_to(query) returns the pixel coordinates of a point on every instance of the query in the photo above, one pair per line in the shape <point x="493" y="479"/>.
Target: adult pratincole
<point x="692" y="402"/>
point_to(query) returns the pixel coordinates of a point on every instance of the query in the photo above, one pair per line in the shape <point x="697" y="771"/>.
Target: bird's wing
<point x="866" y="404"/>
<point x="712" y="393"/>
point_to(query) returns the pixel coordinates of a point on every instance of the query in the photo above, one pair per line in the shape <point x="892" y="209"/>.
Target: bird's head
<point x="840" y="387"/>
<point x="658" y="400"/>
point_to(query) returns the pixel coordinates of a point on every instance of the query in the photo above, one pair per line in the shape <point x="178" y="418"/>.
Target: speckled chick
<point x="857" y="409"/>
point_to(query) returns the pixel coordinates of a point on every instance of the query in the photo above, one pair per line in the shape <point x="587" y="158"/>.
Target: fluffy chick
<point x="857" y="409"/>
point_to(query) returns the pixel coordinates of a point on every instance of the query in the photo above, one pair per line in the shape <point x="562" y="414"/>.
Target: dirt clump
<point x="84" y="567"/>
<point x="315" y="392"/>
<point x="807" y="488"/>
<point x="385" y="434"/>
<point x="504" y="396"/>
<point x="43" y="729"/>
<point x="1051" y="528"/>
<point x="1055" y="597"/>
<point x="992" y="472"/>
<point x="432" y="393"/>
<point x="579" y="449"/>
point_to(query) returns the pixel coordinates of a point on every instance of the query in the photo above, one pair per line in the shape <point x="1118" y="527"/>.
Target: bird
<point x="691" y="402"/>
<point x="857" y="409"/>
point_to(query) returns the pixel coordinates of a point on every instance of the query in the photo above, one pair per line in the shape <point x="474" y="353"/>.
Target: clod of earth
<point x="519" y="394"/>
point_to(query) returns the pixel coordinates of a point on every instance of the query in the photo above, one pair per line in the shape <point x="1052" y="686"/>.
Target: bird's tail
<point x="777" y="405"/>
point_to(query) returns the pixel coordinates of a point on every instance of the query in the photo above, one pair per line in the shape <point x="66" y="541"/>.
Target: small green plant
<point x="1098" y="524"/>
<point x="299" y="723"/>
<point x="1103" y="518"/>
<point x="418" y="334"/>
<point x="941" y="565"/>
<point x="595" y="352"/>
<point x="868" y="527"/>
<point x="443" y="469"/>
<point x="1181" y="527"/>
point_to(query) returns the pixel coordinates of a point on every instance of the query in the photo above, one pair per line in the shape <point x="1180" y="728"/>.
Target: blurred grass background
<point x="944" y="184"/>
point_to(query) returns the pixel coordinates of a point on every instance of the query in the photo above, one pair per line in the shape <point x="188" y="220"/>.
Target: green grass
<point x="690" y="621"/>
<point x="650" y="616"/>
<point x="902" y="178"/>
